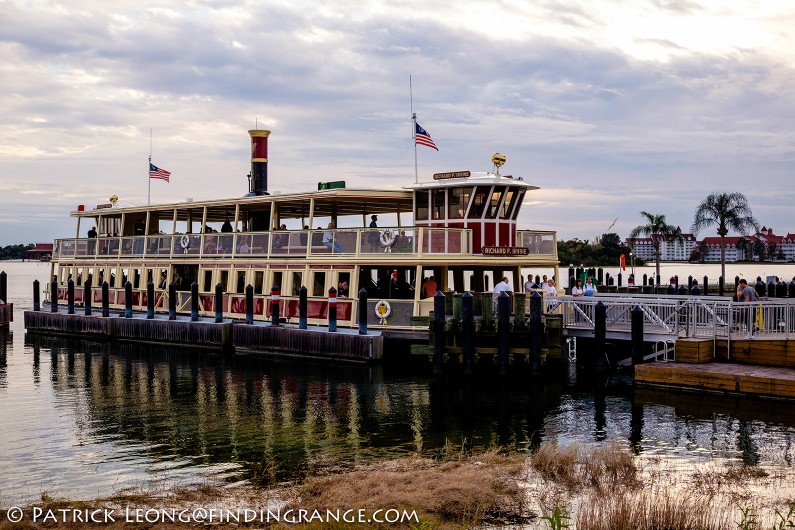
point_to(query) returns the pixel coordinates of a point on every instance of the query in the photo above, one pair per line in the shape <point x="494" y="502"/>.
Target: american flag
<point x="157" y="173"/>
<point x="421" y="137"/>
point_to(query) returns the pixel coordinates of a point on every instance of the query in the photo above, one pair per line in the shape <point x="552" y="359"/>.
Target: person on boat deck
<point x="373" y="236"/>
<point x="544" y="283"/>
<point x="328" y="240"/>
<point x="402" y="238"/>
<point x="590" y="288"/>
<point x="429" y="289"/>
<point x="280" y="240"/>
<point x="343" y="290"/>
<point x="227" y="226"/>
<point x="162" y="283"/>
<point x="502" y="287"/>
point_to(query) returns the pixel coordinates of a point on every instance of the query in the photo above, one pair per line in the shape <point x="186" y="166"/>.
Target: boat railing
<point x="363" y="242"/>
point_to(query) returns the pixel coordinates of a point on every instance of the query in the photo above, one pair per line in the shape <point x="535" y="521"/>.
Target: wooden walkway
<point x="732" y="378"/>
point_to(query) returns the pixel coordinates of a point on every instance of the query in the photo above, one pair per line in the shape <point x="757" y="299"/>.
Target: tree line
<point x="14" y="251"/>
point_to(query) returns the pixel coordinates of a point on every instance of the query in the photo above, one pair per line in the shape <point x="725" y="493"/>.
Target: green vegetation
<point x="606" y="251"/>
<point x="15" y="251"/>
<point x="658" y="229"/>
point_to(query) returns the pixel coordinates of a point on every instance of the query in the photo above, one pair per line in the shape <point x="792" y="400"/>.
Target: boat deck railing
<point x="354" y="242"/>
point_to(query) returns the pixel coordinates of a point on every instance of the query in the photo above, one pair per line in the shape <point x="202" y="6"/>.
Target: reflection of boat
<point x="460" y="228"/>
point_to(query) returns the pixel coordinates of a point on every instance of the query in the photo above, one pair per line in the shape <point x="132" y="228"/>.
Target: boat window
<point x="207" y="284"/>
<point x="149" y="277"/>
<point x="494" y="204"/>
<point x="277" y="280"/>
<point x="479" y="201"/>
<point x="79" y="276"/>
<point x="224" y="281"/>
<point x="296" y="283"/>
<point x="422" y="205"/>
<point x="259" y="280"/>
<point x="344" y="278"/>
<point x="100" y="277"/>
<point x="319" y="285"/>
<point x="123" y="278"/>
<point x="438" y="203"/>
<point x="240" y="286"/>
<point x="459" y="200"/>
<point x="519" y="199"/>
<point x="508" y="203"/>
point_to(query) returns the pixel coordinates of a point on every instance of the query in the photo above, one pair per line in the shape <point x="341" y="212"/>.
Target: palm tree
<point x="730" y="211"/>
<point x="658" y="229"/>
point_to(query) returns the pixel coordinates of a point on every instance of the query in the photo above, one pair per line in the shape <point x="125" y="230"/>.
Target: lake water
<point x="86" y="419"/>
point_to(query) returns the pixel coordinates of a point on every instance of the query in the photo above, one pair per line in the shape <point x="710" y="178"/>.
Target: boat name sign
<point x="452" y="175"/>
<point x="505" y="251"/>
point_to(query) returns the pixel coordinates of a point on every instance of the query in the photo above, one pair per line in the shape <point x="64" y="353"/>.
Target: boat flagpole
<point x="413" y="130"/>
<point x="149" y="178"/>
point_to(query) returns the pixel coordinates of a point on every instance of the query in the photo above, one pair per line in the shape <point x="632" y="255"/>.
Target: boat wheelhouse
<point x="460" y="228"/>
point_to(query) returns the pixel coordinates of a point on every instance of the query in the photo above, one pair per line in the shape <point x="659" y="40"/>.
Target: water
<point x="86" y="419"/>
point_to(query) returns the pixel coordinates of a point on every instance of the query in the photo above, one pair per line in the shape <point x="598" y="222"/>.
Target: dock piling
<point x="194" y="302"/>
<point x="362" y="311"/>
<point x="70" y="297"/>
<point x="332" y="309"/>
<point x="276" y="295"/>
<point x="468" y="331"/>
<point x="105" y="300"/>
<point x="3" y="287"/>
<point x="36" y="296"/>
<point x="637" y="335"/>
<point x="535" y="332"/>
<point x="600" y="337"/>
<point x="503" y="332"/>
<point x="150" y="300"/>
<point x="438" y="332"/>
<point x="54" y="296"/>
<point x="721" y="285"/>
<point x="87" y="297"/>
<point x="219" y="303"/>
<point x="128" y="300"/>
<point x="172" y="301"/>
<point x="706" y="285"/>
<point x="303" y="307"/>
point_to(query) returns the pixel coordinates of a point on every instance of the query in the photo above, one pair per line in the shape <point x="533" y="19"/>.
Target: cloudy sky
<point x="610" y="106"/>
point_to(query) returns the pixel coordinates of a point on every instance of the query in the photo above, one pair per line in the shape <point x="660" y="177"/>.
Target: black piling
<point x="503" y="332"/>
<point x="172" y="301"/>
<point x="600" y="337"/>
<point x="438" y="332"/>
<point x="706" y="285"/>
<point x="332" y="309"/>
<point x="637" y="335"/>
<point x="771" y="289"/>
<point x="194" y="302"/>
<point x="695" y="290"/>
<point x="689" y="282"/>
<point x="535" y="332"/>
<point x="303" y="311"/>
<point x="54" y="296"/>
<point x="70" y="297"/>
<point x="128" y="300"/>
<point x="105" y="300"/>
<point x="36" y="296"/>
<point x="276" y="295"/>
<point x="150" y="300"/>
<point x="721" y="285"/>
<point x="3" y="287"/>
<point x="362" y="311"/>
<point x="87" y="297"/>
<point x="219" y="303"/>
<point x="682" y="291"/>
<point x="250" y="304"/>
<point x="468" y="332"/>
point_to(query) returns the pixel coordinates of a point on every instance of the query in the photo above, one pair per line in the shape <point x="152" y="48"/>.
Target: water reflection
<point x="138" y="410"/>
<point x="6" y="342"/>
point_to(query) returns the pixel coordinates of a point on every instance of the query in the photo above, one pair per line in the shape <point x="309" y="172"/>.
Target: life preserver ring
<point x="184" y="241"/>
<point x="382" y="311"/>
<point x="387" y="240"/>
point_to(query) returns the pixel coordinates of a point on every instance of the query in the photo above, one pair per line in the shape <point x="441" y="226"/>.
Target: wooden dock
<point x="228" y="335"/>
<point x="6" y="314"/>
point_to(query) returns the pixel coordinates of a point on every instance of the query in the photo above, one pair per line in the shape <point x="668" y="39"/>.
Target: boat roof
<point x="466" y="178"/>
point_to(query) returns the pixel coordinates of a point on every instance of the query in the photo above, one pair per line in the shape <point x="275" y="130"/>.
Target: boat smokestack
<point x="258" y="182"/>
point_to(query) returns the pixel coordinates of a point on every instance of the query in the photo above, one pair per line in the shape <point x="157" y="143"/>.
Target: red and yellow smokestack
<point x="258" y="183"/>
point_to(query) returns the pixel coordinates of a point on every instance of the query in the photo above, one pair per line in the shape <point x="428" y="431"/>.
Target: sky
<point x="611" y="107"/>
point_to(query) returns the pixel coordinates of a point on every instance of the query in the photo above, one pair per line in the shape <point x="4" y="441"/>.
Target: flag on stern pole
<point x="157" y="173"/>
<point x="421" y="137"/>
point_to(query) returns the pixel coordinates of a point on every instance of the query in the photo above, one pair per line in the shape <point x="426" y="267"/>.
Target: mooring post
<point x="503" y="332"/>
<point x="645" y="282"/>
<point x="219" y="303"/>
<point x="600" y="337"/>
<point x="438" y="332"/>
<point x="128" y="300"/>
<point x="3" y="287"/>
<point x="535" y="332"/>
<point x="619" y="279"/>
<point x="676" y="281"/>
<point x="150" y="300"/>
<point x="87" y="297"/>
<point x="695" y="290"/>
<point x="332" y="309"/>
<point x="250" y="304"/>
<point x="637" y="335"/>
<point x="468" y="331"/>
<point x="689" y="282"/>
<point x="276" y="296"/>
<point x="36" y="296"/>
<point x="105" y="300"/>
<point x="172" y="301"/>
<point x="70" y="297"/>
<point x="54" y="296"/>
<point x="682" y="290"/>
<point x="706" y="285"/>
<point x="194" y="302"/>
<point x="721" y="285"/>
<point x="362" y="311"/>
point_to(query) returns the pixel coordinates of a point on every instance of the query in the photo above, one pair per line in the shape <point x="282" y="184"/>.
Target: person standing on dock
<point x="746" y="293"/>
<point x="590" y="288"/>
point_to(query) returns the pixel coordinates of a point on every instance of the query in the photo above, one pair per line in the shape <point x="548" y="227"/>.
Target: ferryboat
<point x="459" y="228"/>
